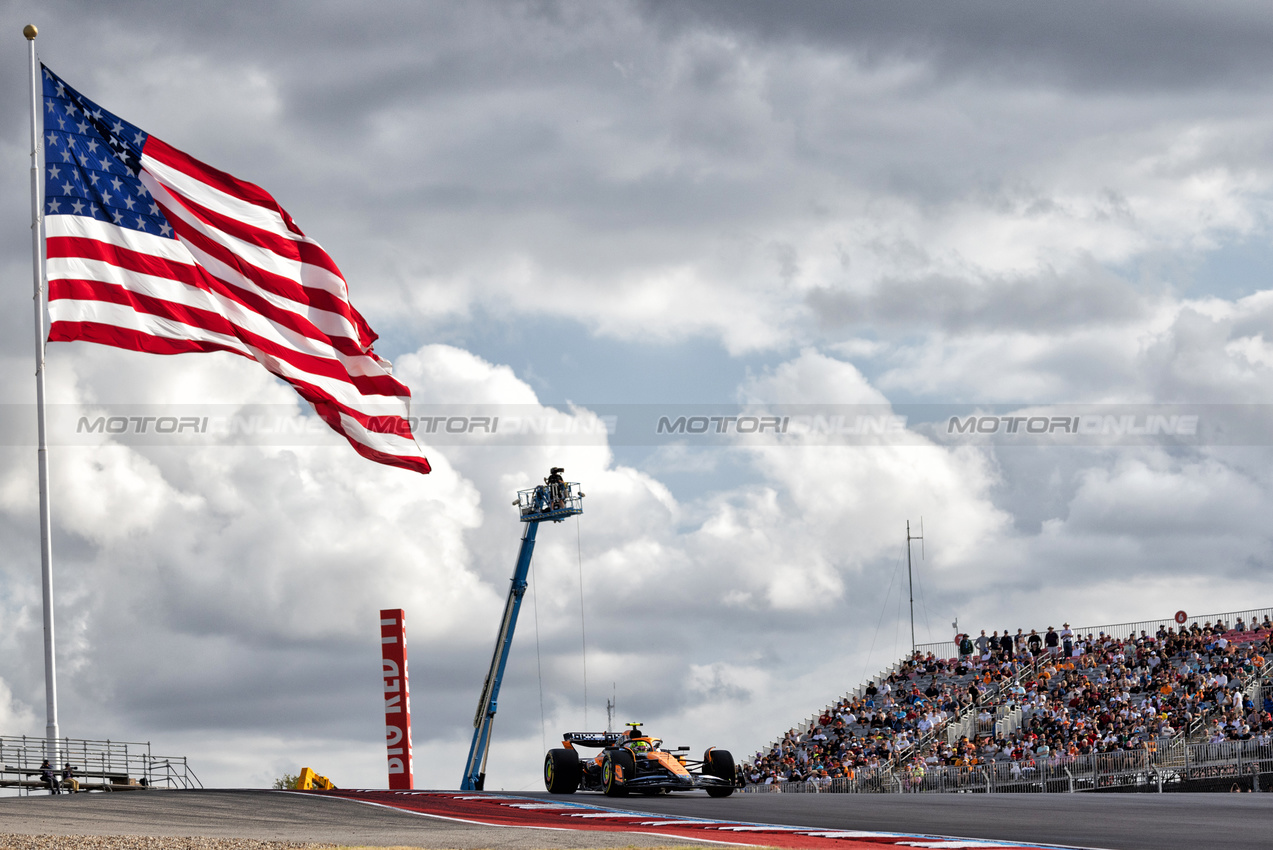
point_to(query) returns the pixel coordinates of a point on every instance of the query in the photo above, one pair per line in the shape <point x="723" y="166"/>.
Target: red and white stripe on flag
<point x="152" y="250"/>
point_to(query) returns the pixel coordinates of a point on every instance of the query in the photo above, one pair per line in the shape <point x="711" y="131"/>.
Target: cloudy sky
<point x="620" y="209"/>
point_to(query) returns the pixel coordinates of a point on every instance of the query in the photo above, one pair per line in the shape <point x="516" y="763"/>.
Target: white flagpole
<point x="42" y="454"/>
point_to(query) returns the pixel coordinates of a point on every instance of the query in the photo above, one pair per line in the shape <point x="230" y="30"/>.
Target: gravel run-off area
<point x="134" y="842"/>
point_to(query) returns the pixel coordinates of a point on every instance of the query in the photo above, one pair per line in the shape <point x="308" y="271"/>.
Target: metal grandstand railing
<point x="948" y="648"/>
<point x="99" y="765"/>
<point x="968" y="719"/>
<point x="1165" y="766"/>
<point x="990" y="694"/>
<point x="1258" y="692"/>
<point x="1251" y="687"/>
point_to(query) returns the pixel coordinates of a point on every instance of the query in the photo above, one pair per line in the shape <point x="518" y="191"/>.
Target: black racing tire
<point x="719" y="763"/>
<point x="562" y="771"/>
<point x="611" y="783"/>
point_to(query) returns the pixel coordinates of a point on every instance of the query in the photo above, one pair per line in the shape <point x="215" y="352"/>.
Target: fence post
<point x="1070" y="777"/>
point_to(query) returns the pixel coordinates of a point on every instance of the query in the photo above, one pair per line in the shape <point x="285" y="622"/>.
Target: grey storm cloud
<point x="1052" y="302"/>
<point x="599" y="138"/>
<point x="1086" y="45"/>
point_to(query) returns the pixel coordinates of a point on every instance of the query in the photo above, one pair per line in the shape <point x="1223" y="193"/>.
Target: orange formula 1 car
<point x="631" y="762"/>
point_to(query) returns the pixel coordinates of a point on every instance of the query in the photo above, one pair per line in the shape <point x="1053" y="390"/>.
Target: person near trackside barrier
<point x="49" y="774"/>
<point x="68" y="779"/>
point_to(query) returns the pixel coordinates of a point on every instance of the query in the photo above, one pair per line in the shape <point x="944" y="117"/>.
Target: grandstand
<point x="1146" y="705"/>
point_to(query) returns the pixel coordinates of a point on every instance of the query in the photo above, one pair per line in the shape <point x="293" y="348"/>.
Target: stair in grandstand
<point x="1255" y="688"/>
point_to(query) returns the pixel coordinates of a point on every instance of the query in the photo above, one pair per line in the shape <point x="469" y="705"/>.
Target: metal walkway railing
<point x="948" y="649"/>
<point x="98" y="765"/>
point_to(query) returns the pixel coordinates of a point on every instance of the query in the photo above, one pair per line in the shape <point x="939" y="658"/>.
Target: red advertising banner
<point x="393" y="662"/>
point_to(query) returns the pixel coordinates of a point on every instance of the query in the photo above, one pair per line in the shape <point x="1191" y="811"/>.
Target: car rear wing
<point x="594" y="739"/>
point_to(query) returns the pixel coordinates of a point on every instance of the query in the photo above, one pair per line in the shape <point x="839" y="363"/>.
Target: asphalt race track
<point x="1111" y="821"/>
<point x="1107" y="821"/>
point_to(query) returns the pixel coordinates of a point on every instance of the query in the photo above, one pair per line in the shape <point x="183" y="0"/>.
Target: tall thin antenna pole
<point x="583" y="630"/>
<point x="42" y="452"/>
<point x="911" y="576"/>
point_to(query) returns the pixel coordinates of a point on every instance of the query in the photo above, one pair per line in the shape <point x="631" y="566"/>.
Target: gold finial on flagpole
<point x="30" y="32"/>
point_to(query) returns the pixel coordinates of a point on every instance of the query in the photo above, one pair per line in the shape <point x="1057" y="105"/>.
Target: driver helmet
<point x="639" y="746"/>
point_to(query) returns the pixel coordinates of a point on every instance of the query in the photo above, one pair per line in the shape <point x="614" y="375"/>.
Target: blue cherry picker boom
<point x="553" y="500"/>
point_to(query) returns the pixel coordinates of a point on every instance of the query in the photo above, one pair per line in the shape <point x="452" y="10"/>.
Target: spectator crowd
<point x="1036" y="698"/>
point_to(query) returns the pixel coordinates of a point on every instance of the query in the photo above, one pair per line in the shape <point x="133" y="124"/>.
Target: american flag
<point x="151" y="250"/>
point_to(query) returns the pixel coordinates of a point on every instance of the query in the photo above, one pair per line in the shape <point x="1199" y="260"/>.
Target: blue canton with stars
<point x="91" y="162"/>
